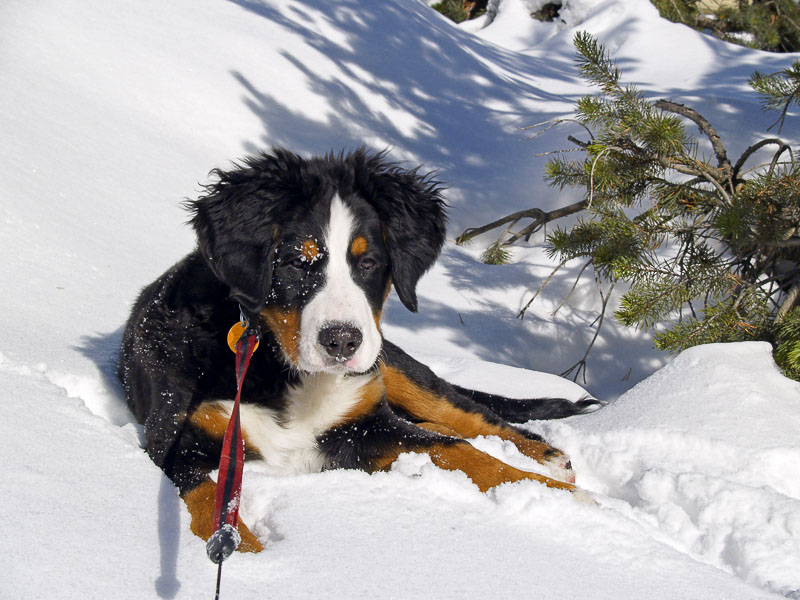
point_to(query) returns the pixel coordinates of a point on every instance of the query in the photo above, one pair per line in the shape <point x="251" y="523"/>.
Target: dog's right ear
<point x="236" y="229"/>
<point x="412" y="211"/>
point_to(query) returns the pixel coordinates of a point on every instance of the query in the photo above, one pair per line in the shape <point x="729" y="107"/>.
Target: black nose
<point x="340" y="340"/>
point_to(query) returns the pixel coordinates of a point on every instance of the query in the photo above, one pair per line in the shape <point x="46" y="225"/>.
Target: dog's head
<point x="314" y="246"/>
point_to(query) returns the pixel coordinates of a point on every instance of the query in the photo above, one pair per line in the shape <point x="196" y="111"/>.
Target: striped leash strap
<point x="226" y="538"/>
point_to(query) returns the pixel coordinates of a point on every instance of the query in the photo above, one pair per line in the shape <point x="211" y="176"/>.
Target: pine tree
<point x="708" y="248"/>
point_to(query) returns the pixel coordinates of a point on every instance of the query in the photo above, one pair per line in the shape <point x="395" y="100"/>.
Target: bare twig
<point x="521" y="314"/>
<point x="717" y="185"/>
<point x="572" y="289"/>
<point x="546" y="218"/>
<point x="580" y="366"/>
<point x="554" y="123"/>
<point x="471" y="232"/>
<point x="578" y="142"/>
<point x="591" y="177"/>
<point x="551" y="152"/>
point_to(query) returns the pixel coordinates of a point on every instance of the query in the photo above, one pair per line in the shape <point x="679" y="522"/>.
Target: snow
<point x="111" y="113"/>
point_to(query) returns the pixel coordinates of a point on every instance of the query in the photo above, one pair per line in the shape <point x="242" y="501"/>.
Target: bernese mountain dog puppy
<point x="308" y="250"/>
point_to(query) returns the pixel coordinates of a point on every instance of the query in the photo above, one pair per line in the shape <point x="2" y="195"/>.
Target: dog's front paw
<point x="560" y="466"/>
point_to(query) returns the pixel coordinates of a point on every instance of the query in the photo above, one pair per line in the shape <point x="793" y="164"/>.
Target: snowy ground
<point x="112" y="112"/>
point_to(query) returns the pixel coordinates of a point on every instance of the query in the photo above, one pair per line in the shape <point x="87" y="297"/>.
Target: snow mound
<point x="704" y="454"/>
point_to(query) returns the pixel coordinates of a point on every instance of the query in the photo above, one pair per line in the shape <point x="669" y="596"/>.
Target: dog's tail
<point x="523" y="410"/>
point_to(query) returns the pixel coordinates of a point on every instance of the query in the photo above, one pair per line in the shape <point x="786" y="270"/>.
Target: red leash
<point x="226" y="537"/>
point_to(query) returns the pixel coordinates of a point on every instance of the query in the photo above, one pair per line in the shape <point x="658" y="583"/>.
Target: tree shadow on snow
<point x="493" y="332"/>
<point x="435" y="99"/>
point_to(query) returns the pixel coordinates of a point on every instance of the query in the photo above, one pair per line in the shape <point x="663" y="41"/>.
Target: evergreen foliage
<point x="496" y="254"/>
<point x="779" y="90"/>
<point x="709" y="249"/>
<point x="461" y="10"/>
<point x="455" y="10"/>
<point x="772" y="25"/>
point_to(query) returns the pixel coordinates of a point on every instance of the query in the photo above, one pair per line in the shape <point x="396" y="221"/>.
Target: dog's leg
<point x="484" y="470"/>
<point x="162" y="377"/>
<point x="187" y="448"/>
<point x="201" y="501"/>
<point x="416" y="390"/>
<point x="197" y="454"/>
<point x="374" y="440"/>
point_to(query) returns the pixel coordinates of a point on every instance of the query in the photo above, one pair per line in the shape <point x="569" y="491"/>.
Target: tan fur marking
<point x="213" y="419"/>
<point x="210" y="418"/>
<point x="286" y="327"/>
<point x="200" y="502"/>
<point x="370" y="394"/>
<point x="359" y="246"/>
<point x="484" y="470"/>
<point x="538" y="451"/>
<point x="309" y="250"/>
<point x="421" y="403"/>
<point x="435" y="427"/>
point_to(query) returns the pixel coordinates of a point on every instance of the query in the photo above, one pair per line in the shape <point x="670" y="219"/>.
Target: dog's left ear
<point x="412" y="210"/>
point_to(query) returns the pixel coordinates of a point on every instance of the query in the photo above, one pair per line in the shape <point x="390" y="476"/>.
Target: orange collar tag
<point x="234" y="334"/>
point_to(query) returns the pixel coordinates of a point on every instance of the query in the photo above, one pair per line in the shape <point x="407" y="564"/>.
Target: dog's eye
<point x="301" y="263"/>
<point x="367" y="264"/>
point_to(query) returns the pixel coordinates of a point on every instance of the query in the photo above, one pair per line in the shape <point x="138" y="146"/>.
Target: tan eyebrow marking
<point x="359" y="246"/>
<point x="309" y="250"/>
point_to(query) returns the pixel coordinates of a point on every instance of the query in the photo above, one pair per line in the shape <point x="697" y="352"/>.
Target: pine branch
<point x="714" y="257"/>
<point x="595" y="64"/>
<point x="750" y="150"/>
<point x="716" y="142"/>
<point x="778" y="91"/>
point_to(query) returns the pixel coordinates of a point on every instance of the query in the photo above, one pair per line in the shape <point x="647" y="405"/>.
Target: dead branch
<point x="540" y="219"/>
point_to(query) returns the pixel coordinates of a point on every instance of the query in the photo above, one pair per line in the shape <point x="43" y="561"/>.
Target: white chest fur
<point x="287" y="441"/>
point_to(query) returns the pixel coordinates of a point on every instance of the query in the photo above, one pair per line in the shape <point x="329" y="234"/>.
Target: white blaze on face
<point x="340" y="301"/>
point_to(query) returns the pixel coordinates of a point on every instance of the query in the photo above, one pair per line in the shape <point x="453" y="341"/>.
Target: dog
<point x="308" y="250"/>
